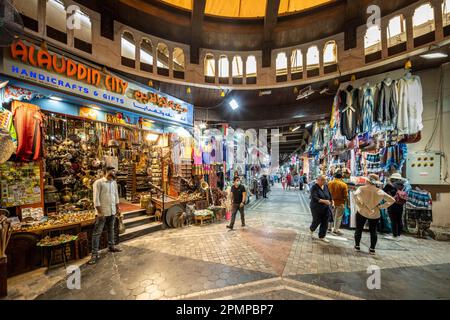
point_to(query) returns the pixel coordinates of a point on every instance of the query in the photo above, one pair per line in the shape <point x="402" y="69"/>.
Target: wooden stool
<point x="203" y="218"/>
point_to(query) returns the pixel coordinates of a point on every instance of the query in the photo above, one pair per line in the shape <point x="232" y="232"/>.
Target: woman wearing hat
<point x="396" y="188"/>
<point x="369" y="200"/>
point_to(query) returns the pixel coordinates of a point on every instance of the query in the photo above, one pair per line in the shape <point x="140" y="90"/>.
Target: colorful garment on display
<point x="335" y="114"/>
<point x="10" y="93"/>
<point x="410" y="105"/>
<point x="7" y="123"/>
<point x="367" y="108"/>
<point x="419" y="199"/>
<point x="28" y="121"/>
<point x="349" y="112"/>
<point x="394" y="157"/>
<point x="373" y="163"/>
<point x="386" y="110"/>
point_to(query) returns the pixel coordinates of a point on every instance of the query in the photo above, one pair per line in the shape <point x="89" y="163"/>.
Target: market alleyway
<point x="273" y="258"/>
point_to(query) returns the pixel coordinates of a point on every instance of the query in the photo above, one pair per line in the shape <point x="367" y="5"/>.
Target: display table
<point x="52" y="245"/>
<point x="201" y="216"/>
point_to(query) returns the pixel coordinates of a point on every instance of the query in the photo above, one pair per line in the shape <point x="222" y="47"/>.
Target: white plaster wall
<point x="430" y="83"/>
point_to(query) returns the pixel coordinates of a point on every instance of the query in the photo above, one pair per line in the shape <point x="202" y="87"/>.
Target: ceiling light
<point x="324" y="90"/>
<point x="296" y="129"/>
<point x="308" y="125"/>
<point x="55" y="98"/>
<point x="305" y="93"/>
<point x="152" y="137"/>
<point x="265" y="93"/>
<point x="434" y="55"/>
<point x="222" y="93"/>
<point x="188" y="90"/>
<point x="233" y="104"/>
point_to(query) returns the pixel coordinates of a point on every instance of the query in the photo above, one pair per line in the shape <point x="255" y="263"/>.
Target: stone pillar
<point x="321" y="48"/>
<point x="170" y="62"/>
<point x="384" y="40"/>
<point x="137" y="54"/>
<point x="289" y="64"/>
<point x="409" y="30"/>
<point x="305" y="61"/>
<point x="244" y="69"/>
<point x="438" y="19"/>
<point x="42" y="17"/>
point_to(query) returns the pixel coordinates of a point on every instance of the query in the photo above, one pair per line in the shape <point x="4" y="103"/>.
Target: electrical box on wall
<point x="424" y="168"/>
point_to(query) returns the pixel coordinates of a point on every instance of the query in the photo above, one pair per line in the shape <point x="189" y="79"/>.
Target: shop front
<point x="63" y="121"/>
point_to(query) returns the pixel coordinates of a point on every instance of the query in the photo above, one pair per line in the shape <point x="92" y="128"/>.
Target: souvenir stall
<point x="62" y="122"/>
<point x="372" y="122"/>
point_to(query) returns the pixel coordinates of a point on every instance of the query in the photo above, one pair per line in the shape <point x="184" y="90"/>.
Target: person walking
<point x="321" y="203"/>
<point x="265" y="186"/>
<point x="106" y="202"/>
<point x="283" y="182"/>
<point x="339" y="192"/>
<point x="396" y="189"/>
<point x="296" y="181"/>
<point x="289" y="181"/>
<point x="239" y="196"/>
<point x="368" y="199"/>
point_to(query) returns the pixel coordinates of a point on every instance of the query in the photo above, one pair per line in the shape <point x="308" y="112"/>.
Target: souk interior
<point x="179" y="120"/>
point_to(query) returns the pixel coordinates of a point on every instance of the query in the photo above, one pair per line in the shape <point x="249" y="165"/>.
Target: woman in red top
<point x="289" y="181"/>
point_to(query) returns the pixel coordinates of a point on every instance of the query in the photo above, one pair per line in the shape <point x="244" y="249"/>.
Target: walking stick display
<point x="5" y="234"/>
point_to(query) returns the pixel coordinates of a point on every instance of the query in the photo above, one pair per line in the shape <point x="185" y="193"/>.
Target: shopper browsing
<point x="369" y="200"/>
<point x="339" y="192"/>
<point x="289" y="181"/>
<point x="106" y="202"/>
<point x="283" y="182"/>
<point x="396" y="189"/>
<point x="321" y="203"/>
<point x="239" y="196"/>
<point x="265" y="186"/>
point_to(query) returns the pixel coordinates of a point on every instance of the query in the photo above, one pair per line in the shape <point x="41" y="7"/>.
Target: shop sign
<point x="52" y="70"/>
<point x="88" y="113"/>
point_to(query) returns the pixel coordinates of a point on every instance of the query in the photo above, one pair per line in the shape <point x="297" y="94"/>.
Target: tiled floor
<point x="273" y="258"/>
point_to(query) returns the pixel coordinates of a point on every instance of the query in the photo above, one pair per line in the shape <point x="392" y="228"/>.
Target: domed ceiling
<point x="247" y="8"/>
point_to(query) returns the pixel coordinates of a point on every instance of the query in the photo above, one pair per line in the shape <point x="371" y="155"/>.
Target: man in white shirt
<point x="106" y="202"/>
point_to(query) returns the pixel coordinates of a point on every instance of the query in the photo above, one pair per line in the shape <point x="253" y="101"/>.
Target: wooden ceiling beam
<point x="270" y="22"/>
<point x="197" y="16"/>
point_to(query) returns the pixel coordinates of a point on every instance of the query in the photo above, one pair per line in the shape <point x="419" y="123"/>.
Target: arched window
<point x="251" y="67"/>
<point x="396" y="31"/>
<point x="237" y="70"/>
<point x="237" y="67"/>
<point x="423" y="20"/>
<point x="28" y="10"/>
<point x="209" y="68"/>
<point x="313" y="58"/>
<point x="56" y="17"/>
<point x="178" y="63"/>
<point x="296" y="61"/>
<point x="446" y="12"/>
<point x="281" y="64"/>
<point x="128" y="50"/>
<point x="224" y="67"/>
<point x="146" y="55"/>
<point x="83" y="34"/>
<point x="162" y="59"/>
<point x="330" y="53"/>
<point x="372" y="40"/>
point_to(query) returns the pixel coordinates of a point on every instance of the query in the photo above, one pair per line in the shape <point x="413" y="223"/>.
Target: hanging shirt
<point x="28" y="121"/>
<point x="410" y="105"/>
<point x="367" y="108"/>
<point x="386" y="111"/>
<point x="106" y="196"/>
<point x="348" y="109"/>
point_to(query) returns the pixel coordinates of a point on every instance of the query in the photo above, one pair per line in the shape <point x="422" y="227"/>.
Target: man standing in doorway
<point x="106" y="202"/>
<point x="239" y="197"/>
<point x="339" y="192"/>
